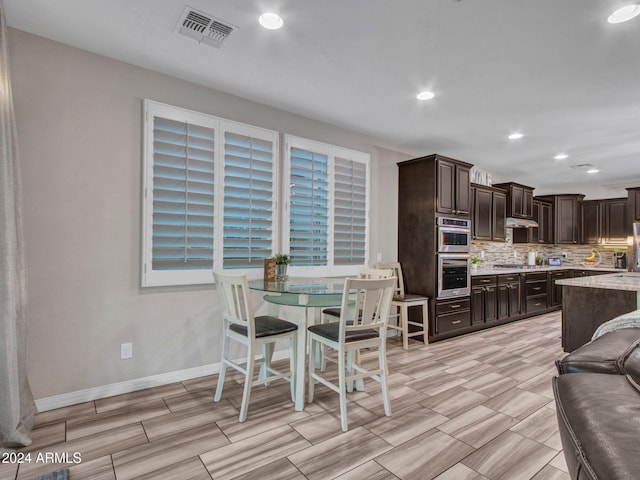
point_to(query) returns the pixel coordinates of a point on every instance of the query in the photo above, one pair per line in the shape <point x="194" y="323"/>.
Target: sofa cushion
<point x="606" y="354"/>
<point x="599" y="420"/>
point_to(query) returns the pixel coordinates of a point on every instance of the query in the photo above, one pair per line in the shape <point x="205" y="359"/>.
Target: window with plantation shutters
<point x="183" y="193"/>
<point x="248" y="200"/>
<point x="209" y="198"/>
<point x="350" y="212"/>
<point x="327" y="204"/>
<point x="308" y="208"/>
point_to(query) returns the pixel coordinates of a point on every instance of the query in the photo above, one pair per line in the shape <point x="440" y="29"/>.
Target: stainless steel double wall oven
<point x="454" y="263"/>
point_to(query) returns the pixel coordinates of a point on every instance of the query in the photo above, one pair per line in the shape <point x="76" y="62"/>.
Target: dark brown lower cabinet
<point x="535" y="292"/>
<point x="555" y="293"/>
<point x="484" y="299"/>
<point x="451" y="316"/>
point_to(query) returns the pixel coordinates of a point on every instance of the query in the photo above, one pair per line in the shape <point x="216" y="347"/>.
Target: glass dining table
<point x="310" y="294"/>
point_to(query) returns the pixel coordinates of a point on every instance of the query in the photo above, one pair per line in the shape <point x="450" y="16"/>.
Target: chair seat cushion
<point x="409" y="297"/>
<point x="599" y="418"/>
<point x="266" y="326"/>
<point x="606" y="354"/>
<point x="332" y="312"/>
<point x="332" y="330"/>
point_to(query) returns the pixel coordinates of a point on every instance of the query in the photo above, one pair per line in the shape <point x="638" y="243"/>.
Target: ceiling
<point x="554" y="70"/>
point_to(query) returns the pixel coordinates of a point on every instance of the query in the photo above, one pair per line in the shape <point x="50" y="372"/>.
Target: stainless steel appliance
<point x="620" y="259"/>
<point x="454" y="275"/>
<point x="635" y="248"/>
<point x="454" y="235"/>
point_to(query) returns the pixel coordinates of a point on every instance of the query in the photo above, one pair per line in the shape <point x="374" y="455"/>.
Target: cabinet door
<point x="566" y="221"/>
<point x="515" y="306"/>
<point x="490" y="303"/>
<point x="446" y="187"/>
<point x="503" y="301"/>
<point x="545" y="231"/>
<point x="527" y="203"/>
<point x="477" y="306"/>
<point x="636" y="210"/>
<point x="534" y="232"/>
<point x="556" y="290"/>
<point x="517" y="199"/>
<point x="590" y="223"/>
<point x="615" y="223"/>
<point x="482" y="214"/>
<point x="499" y="214"/>
<point x="462" y="190"/>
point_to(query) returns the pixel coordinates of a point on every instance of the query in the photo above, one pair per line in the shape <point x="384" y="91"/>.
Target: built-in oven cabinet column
<point x="429" y="188"/>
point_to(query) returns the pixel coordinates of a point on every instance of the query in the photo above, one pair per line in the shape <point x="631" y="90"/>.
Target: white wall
<point x="80" y="131"/>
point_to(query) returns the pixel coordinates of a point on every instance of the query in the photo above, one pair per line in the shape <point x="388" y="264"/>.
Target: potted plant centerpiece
<point x="282" y="260"/>
<point x="474" y="263"/>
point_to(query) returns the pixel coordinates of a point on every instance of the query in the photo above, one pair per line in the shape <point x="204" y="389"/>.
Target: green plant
<point x="282" y="259"/>
<point x="539" y="260"/>
<point x="475" y="260"/>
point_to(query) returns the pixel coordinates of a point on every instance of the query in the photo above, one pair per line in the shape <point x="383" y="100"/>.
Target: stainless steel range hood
<point x="520" y="223"/>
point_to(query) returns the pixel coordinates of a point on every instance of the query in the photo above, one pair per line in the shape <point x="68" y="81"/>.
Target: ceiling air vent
<point x="581" y="166"/>
<point x="205" y="28"/>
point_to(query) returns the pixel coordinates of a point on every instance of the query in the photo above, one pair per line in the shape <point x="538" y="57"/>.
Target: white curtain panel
<point x="17" y="408"/>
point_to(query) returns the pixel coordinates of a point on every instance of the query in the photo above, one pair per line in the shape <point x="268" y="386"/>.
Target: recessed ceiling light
<point x="624" y="14"/>
<point x="271" y="21"/>
<point x="561" y="156"/>
<point x="593" y="170"/>
<point x="515" y="136"/>
<point x="426" y="95"/>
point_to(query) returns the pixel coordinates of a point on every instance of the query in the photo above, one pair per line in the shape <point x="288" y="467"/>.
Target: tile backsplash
<point x="507" y="252"/>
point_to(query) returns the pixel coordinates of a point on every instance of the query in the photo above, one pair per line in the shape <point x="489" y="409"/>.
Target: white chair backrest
<point x="397" y="272"/>
<point x="375" y="273"/>
<point x="236" y="299"/>
<point x="373" y="302"/>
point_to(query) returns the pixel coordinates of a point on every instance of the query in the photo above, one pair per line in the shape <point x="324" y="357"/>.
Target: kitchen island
<point x="588" y="302"/>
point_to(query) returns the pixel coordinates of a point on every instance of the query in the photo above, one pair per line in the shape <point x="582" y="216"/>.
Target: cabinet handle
<point x="537" y="288"/>
<point x="456" y="322"/>
<point x="455" y="306"/>
<point x="538" y="304"/>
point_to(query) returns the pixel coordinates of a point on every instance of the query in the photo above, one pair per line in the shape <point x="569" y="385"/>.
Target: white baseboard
<point x="96" y="393"/>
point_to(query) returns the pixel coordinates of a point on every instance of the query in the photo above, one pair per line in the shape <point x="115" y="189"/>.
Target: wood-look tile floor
<point x="475" y="407"/>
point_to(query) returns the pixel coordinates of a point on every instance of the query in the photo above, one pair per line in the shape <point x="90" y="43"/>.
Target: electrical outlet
<point x="564" y="255"/>
<point x="126" y="351"/>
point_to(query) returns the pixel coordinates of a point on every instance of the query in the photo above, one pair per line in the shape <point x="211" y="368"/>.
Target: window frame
<point x="156" y="278"/>
<point x="331" y="151"/>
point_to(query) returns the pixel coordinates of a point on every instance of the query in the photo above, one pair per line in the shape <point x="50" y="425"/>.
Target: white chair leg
<point x="267" y="353"/>
<point x="425" y="322"/>
<point x="223" y="369"/>
<point x="404" y="318"/>
<point x="292" y="364"/>
<point x="313" y="347"/>
<point x="382" y="364"/>
<point x="343" y="391"/>
<point x="248" y="381"/>
<point x="350" y="370"/>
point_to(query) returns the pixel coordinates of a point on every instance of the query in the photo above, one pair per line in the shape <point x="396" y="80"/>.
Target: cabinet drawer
<point x="452" y="306"/>
<point x="536" y="288"/>
<point x="536" y="276"/>
<point x="480" y="281"/>
<point x="560" y="274"/>
<point x="449" y="322"/>
<point x="508" y="278"/>
<point x="536" y="303"/>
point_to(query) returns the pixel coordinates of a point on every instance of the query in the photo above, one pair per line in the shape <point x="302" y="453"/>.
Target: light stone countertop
<point x="616" y="281"/>
<point x="491" y="270"/>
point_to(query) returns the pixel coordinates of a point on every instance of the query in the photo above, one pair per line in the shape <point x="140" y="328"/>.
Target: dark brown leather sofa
<point x="598" y="404"/>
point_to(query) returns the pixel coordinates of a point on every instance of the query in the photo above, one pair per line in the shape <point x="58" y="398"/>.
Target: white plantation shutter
<point x="308" y="208"/>
<point x="350" y="212"/>
<point x="208" y="196"/>
<point x="328" y="207"/>
<point x="248" y="200"/>
<point x="183" y="194"/>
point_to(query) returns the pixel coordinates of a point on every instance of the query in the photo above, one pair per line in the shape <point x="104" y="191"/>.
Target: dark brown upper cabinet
<point x="453" y="186"/>
<point x="633" y="200"/>
<point x="488" y="214"/>
<point x="614" y="221"/>
<point x="590" y="222"/>
<point x="543" y="233"/>
<point x="519" y="199"/>
<point x="565" y="211"/>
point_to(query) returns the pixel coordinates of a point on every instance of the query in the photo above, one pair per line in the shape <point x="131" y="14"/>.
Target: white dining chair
<point x="364" y="326"/>
<point x="240" y="325"/>
<point x="402" y="302"/>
